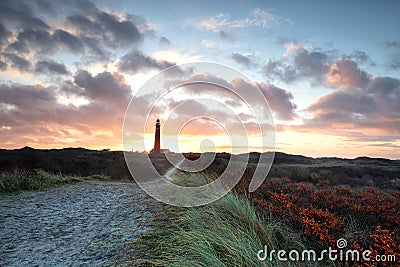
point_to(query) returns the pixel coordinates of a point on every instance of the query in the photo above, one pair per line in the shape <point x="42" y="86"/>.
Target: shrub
<point x="20" y="179"/>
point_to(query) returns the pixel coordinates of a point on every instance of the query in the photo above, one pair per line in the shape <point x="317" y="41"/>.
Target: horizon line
<point x="110" y="150"/>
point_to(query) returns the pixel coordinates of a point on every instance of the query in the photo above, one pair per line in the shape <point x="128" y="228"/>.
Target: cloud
<point x="164" y="41"/>
<point x="285" y="41"/>
<point x="69" y="41"/>
<point x="361" y="57"/>
<point x="20" y="14"/>
<point x="209" y="44"/>
<point x="280" y="101"/>
<point x="215" y="102"/>
<point x="242" y="60"/>
<point x="27" y="33"/>
<point x="3" y="65"/>
<point x="372" y="109"/>
<point x="17" y="62"/>
<point x="247" y="61"/>
<point x="35" y="115"/>
<point x="343" y="105"/>
<point x="25" y="96"/>
<point x="29" y="105"/>
<point x="109" y="28"/>
<point x="298" y="63"/>
<point x="346" y="74"/>
<point x="386" y="92"/>
<point x="393" y="44"/>
<point x="4" y="34"/>
<point x="394" y="63"/>
<point x="394" y="59"/>
<point x="40" y="41"/>
<point x="104" y="87"/>
<point x="256" y="18"/>
<point x="45" y="7"/>
<point x="275" y="69"/>
<point x="96" y="49"/>
<point x="359" y="102"/>
<point x="265" y="19"/>
<point x="214" y="23"/>
<point x="225" y="35"/>
<point x="99" y="119"/>
<point x="310" y="64"/>
<point x="206" y="118"/>
<point x="319" y="67"/>
<point x="136" y="61"/>
<point x="50" y="67"/>
<point x="46" y="43"/>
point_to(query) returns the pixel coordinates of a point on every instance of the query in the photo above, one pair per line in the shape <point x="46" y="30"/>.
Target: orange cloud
<point x="345" y="74"/>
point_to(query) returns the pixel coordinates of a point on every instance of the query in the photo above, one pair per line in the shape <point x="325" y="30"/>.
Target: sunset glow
<point x="69" y="70"/>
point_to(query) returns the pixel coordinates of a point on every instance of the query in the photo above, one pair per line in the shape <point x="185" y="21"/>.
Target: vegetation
<point x="68" y="161"/>
<point x="84" y="162"/>
<point x="228" y="232"/>
<point x="75" y="161"/>
<point x="367" y="218"/>
<point x="312" y="210"/>
<point x="18" y="179"/>
<point x="304" y="203"/>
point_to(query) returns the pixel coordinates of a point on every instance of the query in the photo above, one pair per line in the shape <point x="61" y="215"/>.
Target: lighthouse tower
<point x="157" y="147"/>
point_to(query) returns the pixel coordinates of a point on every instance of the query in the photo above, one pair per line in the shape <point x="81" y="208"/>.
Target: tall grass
<point x="19" y="179"/>
<point x="226" y="233"/>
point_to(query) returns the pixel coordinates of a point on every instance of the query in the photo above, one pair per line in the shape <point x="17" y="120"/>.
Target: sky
<point x="329" y="71"/>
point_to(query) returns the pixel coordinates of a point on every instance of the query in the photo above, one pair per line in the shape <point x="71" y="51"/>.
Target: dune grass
<point x="227" y="232"/>
<point x="19" y="179"/>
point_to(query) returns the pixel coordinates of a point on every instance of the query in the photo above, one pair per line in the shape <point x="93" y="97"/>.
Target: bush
<point x="367" y="217"/>
<point x="20" y="179"/>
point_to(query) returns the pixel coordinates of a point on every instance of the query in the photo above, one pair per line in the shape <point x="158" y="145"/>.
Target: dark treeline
<point x="84" y="162"/>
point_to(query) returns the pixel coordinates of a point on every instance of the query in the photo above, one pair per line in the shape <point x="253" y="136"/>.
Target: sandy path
<point x="171" y="171"/>
<point x="86" y="224"/>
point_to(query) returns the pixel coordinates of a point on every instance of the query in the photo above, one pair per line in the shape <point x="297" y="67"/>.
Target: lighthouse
<point x="157" y="147"/>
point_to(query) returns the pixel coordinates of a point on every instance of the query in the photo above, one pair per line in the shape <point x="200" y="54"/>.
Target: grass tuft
<point x="19" y="179"/>
<point x="227" y="232"/>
